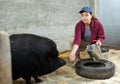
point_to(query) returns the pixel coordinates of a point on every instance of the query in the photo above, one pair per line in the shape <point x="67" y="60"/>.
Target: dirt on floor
<point x="67" y="74"/>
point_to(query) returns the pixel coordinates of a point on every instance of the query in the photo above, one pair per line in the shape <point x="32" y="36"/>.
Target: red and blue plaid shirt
<point x="96" y="29"/>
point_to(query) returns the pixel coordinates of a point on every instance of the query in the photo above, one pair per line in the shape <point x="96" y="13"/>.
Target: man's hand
<point x="72" y="56"/>
<point x="98" y="42"/>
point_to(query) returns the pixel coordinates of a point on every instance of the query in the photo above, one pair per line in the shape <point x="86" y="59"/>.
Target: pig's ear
<point x="54" y="54"/>
<point x="63" y="62"/>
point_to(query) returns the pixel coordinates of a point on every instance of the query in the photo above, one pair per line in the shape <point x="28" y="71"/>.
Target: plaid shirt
<point x="96" y="29"/>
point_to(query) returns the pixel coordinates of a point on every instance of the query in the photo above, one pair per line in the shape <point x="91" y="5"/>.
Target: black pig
<point x="33" y="56"/>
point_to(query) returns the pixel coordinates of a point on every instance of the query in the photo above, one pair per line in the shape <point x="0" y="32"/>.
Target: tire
<point x="102" y="69"/>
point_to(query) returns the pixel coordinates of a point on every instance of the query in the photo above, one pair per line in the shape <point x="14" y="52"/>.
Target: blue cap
<point x="86" y="9"/>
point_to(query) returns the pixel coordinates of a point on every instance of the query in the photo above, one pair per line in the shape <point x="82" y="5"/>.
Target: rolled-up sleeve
<point x="101" y="34"/>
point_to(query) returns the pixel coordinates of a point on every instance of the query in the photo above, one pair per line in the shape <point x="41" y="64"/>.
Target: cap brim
<point x="82" y="11"/>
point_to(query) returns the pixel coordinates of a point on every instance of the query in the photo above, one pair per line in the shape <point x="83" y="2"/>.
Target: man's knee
<point x="83" y="45"/>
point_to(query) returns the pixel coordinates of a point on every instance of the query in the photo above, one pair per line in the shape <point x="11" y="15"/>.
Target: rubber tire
<point x="87" y="70"/>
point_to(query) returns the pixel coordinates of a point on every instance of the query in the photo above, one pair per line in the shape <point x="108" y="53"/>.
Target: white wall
<point x="54" y="19"/>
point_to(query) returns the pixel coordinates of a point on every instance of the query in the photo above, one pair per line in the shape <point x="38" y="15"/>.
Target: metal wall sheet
<point x="108" y="12"/>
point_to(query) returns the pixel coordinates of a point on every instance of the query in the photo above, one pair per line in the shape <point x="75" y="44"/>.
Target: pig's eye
<point x="49" y="59"/>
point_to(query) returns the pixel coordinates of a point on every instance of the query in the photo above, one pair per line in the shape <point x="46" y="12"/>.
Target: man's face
<point x="86" y="17"/>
